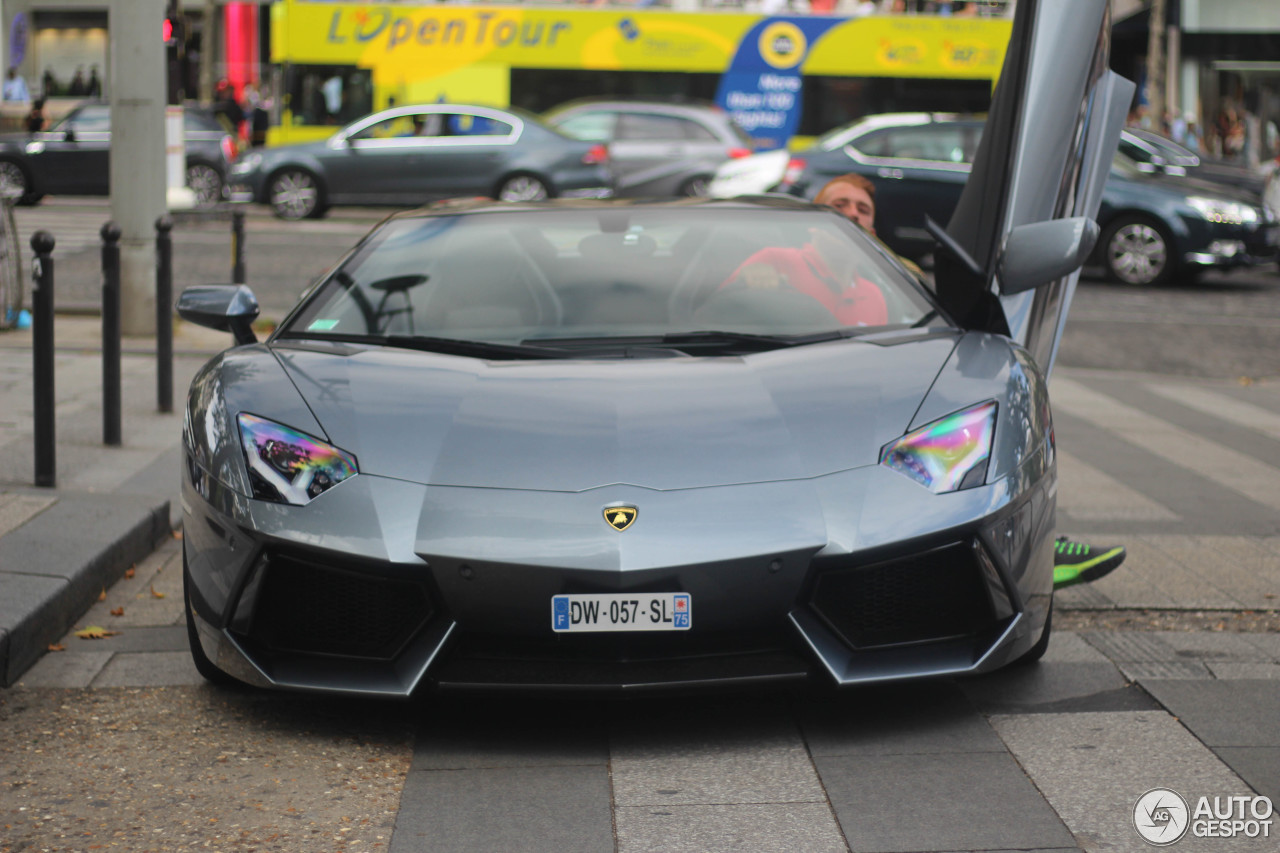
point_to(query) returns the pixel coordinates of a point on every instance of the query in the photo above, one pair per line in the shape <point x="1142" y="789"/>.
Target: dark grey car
<point x="410" y="155"/>
<point x="1155" y="226"/>
<point x="619" y="445"/>
<point x="72" y="158"/>
<point x="656" y="148"/>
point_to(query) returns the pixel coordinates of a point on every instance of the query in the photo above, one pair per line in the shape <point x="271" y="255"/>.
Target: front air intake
<point x="312" y="608"/>
<point x="931" y="596"/>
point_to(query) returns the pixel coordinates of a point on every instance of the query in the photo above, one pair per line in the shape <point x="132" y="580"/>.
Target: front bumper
<point x="865" y="578"/>
<point x="1239" y="249"/>
<point x="240" y="193"/>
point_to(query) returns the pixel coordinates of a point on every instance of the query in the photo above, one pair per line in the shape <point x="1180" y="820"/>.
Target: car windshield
<point x="549" y="277"/>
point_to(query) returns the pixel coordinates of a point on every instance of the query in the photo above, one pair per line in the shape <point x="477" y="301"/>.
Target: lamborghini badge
<point x="620" y="517"/>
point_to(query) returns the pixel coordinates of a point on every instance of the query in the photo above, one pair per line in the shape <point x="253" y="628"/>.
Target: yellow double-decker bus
<point x="781" y="77"/>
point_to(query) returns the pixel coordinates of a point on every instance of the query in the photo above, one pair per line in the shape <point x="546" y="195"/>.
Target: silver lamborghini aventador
<point x="625" y="444"/>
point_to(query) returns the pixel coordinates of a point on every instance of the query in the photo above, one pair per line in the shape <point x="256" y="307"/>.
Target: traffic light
<point x="173" y="28"/>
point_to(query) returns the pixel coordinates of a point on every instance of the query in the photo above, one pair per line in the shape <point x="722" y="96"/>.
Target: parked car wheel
<point x="696" y="187"/>
<point x="295" y="194"/>
<point x="206" y="182"/>
<point x="15" y="184"/>
<point x="523" y="188"/>
<point x="1135" y="250"/>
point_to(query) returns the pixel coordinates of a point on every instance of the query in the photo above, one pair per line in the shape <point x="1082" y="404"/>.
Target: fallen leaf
<point x="119" y="611"/>
<point x="128" y="573"/>
<point x="95" y="632"/>
<point x="57" y="647"/>
<point x="177" y="534"/>
<point x="155" y="594"/>
<point x="1245" y="380"/>
<point x="102" y="596"/>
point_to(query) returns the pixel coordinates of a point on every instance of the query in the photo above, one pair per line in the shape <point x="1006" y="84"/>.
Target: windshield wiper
<point x="444" y="346"/>
<point x="763" y="341"/>
<point x="696" y="340"/>
<point x="479" y="349"/>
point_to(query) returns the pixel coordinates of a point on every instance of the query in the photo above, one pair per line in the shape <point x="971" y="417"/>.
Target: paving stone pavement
<point x="1049" y="757"/>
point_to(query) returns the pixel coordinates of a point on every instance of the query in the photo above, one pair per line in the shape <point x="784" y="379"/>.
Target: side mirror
<point x="1041" y="252"/>
<point x="224" y="307"/>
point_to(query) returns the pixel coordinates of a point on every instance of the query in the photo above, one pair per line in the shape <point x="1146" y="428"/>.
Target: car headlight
<point x="1221" y="210"/>
<point x="246" y="164"/>
<point x="949" y="454"/>
<point x="288" y="466"/>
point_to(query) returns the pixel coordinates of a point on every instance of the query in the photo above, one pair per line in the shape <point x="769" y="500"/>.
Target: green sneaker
<point x="1076" y="562"/>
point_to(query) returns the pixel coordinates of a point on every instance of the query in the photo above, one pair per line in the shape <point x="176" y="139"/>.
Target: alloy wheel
<point x="696" y="187"/>
<point x="206" y="183"/>
<point x="294" y="195"/>
<point x="1137" y="253"/>
<point x="13" y="181"/>
<point x="523" y="188"/>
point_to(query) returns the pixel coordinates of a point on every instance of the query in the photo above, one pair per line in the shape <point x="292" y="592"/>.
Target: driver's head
<point x="854" y="197"/>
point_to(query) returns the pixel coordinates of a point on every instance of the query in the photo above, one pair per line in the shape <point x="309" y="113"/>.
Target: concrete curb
<point x="70" y="552"/>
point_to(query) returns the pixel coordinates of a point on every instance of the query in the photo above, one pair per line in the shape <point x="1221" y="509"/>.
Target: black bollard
<point x="111" y="334"/>
<point x="237" y="246"/>
<point x="42" y="358"/>
<point x="164" y="314"/>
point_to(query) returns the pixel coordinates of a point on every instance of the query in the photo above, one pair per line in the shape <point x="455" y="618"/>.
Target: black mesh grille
<point x="318" y="609"/>
<point x="934" y="595"/>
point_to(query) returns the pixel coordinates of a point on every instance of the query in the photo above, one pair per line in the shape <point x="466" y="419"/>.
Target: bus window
<point x="540" y="89"/>
<point x="328" y="94"/>
<point x="834" y="101"/>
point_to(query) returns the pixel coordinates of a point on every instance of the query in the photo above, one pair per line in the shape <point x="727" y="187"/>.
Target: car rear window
<point x="642" y="126"/>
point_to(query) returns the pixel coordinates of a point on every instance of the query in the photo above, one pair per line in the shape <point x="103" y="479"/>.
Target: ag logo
<point x="1161" y="817"/>
<point x="620" y="517"/>
<point x="782" y="44"/>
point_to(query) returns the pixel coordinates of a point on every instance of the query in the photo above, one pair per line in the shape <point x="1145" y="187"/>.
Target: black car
<point x="1154" y="226"/>
<point x="414" y="154"/>
<point x="72" y="157"/>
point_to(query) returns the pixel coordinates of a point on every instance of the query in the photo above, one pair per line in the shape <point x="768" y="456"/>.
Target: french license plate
<point x="622" y="611"/>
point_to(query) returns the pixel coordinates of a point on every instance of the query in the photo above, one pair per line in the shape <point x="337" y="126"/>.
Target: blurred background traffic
<point x="304" y="106"/>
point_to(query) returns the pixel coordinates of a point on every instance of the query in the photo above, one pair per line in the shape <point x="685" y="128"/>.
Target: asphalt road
<point x="1225" y="325"/>
<point x="1164" y="674"/>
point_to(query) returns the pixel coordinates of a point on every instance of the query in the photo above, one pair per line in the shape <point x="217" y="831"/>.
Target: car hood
<point x="1193" y="186"/>
<point x="659" y="423"/>
<point x="289" y="152"/>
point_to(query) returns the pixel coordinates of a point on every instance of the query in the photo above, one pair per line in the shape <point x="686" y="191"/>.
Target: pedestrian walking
<point x="15" y="87"/>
